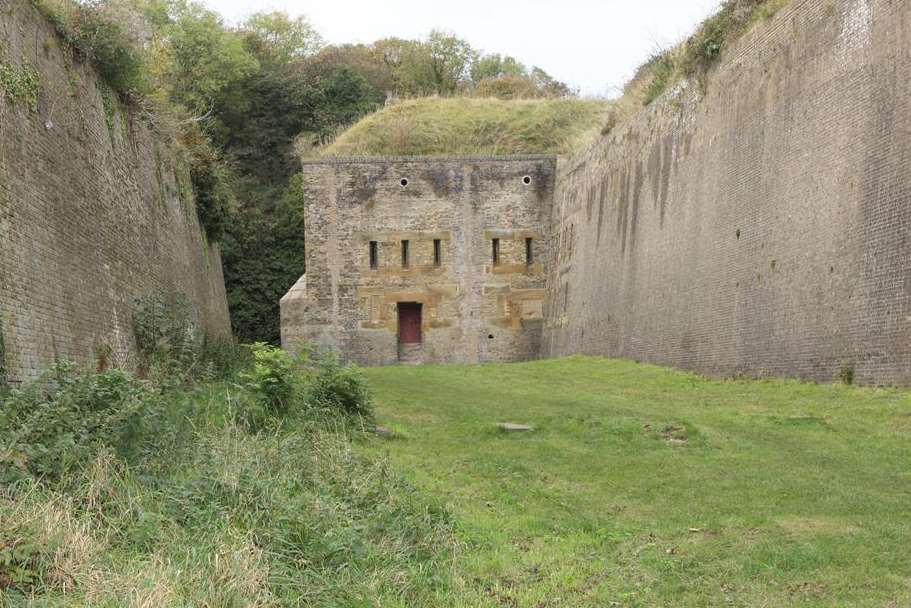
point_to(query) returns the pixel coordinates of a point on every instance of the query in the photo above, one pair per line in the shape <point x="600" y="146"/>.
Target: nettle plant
<point x="164" y="328"/>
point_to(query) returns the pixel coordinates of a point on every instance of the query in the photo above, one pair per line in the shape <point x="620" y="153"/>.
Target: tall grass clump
<point x="236" y="489"/>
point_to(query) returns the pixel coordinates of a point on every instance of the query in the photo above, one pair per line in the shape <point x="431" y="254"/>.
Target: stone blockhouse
<point x="757" y="222"/>
<point x="424" y="259"/>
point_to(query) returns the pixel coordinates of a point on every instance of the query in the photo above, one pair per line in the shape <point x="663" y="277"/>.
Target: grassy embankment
<point x="486" y="126"/>
<point x="468" y="126"/>
<point x="642" y="486"/>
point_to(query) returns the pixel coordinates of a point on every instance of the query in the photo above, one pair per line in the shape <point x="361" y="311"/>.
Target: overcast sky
<point x="593" y="44"/>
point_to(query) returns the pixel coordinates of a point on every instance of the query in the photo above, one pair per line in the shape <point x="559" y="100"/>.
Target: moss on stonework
<point x="19" y="85"/>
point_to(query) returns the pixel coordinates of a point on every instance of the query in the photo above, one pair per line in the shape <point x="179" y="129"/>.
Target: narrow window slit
<point x="374" y="255"/>
<point x="405" y="260"/>
<point x="529" y="252"/>
<point x="437" y="252"/>
<point x="496" y="251"/>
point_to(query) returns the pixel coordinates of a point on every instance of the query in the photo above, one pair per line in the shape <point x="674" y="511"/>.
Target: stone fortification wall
<point x="759" y="226"/>
<point x="95" y="211"/>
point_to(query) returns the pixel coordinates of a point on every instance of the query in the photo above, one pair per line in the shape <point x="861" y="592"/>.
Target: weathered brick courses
<point x="762" y="226"/>
<point x="91" y="217"/>
<point x="472" y="310"/>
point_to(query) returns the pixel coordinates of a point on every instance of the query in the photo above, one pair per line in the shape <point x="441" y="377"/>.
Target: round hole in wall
<point x="404" y="182"/>
<point x="526" y="180"/>
<point x="490" y="336"/>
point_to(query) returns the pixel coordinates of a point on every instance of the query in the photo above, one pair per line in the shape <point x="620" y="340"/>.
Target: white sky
<point x="593" y="44"/>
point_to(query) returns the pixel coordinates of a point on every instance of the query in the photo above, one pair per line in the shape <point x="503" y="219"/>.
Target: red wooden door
<point x="409" y="322"/>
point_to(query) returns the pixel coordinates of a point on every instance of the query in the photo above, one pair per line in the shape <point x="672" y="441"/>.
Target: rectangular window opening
<point x="405" y="259"/>
<point x="374" y="255"/>
<point x="437" y="252"/>
<point x="496" y="251"/>
<point x="529" y="252"/>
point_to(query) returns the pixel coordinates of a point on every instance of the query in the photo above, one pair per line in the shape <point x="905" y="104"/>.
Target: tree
<point x="368" y="61"/>
<point x="450" y="60"/>
<point x="195" y="58"/>
<point x="496" y="66"/>
<point x="277" y="37"/>
<point x="550" y="86"/>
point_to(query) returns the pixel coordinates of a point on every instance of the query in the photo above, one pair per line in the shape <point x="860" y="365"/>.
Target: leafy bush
<point x="264" y="255"/>
<point x="209" y="177"/>
<point x="20" y="85"/>
<point x="164" y="328"/>
<point x="662" y="67"/>
<point x="846" y="374"/>
<point x="22" y="565"/>
<point x="67" y="418"/>
<point x="340" y="387"/>
<point x="274" y="383"/>
<point x="223" y="358"/>
<point x="100" y="39"/>
<point x="721" y="30"/>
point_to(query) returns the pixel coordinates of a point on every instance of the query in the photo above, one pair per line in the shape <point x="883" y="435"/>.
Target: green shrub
<point x="22" y="565"/>
<point x="696" y="55"/>
<point x="663" y="68"/>
<point x="722" y="29"/>
<point x="209" y="177"/>
<point x="20" y="85"/>
<point x="223" y="358"/>
<point x="98" y="38"/>
<point x="274" y="384"/>
<point x="846" y="374"/>
<point x="340" y="387"/>
<point x="165" y="330"/>
<point x="66" y="418"/>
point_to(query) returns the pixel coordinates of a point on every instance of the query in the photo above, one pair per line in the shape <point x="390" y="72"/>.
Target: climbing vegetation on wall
<point x="3" y="378"/>
<point x="19" y="84"/>
<point x="95" y="33"/>
<point x="693" y="58"/>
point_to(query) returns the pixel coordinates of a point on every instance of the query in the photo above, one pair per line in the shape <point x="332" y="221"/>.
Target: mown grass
<point x="468" y="126"/>
<point x="642" y="486"/>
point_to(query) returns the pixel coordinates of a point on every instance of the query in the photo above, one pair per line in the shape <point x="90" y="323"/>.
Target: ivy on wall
<point x="20" y="85"/>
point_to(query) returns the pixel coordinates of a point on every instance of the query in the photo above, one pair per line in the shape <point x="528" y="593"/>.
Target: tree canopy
<point x="237" y="97"/>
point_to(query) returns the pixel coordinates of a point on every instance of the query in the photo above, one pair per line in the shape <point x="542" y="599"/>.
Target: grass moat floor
<point x="643" y="486"/>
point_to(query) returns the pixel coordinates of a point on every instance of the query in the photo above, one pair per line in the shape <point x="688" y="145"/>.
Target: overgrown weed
<point x="119" y="490"/>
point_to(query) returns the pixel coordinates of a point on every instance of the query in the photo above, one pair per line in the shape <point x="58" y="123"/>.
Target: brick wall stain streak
<point x="472" y="309"/>
<point x="761" y="226"/>
<point x="91" y="218"/>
